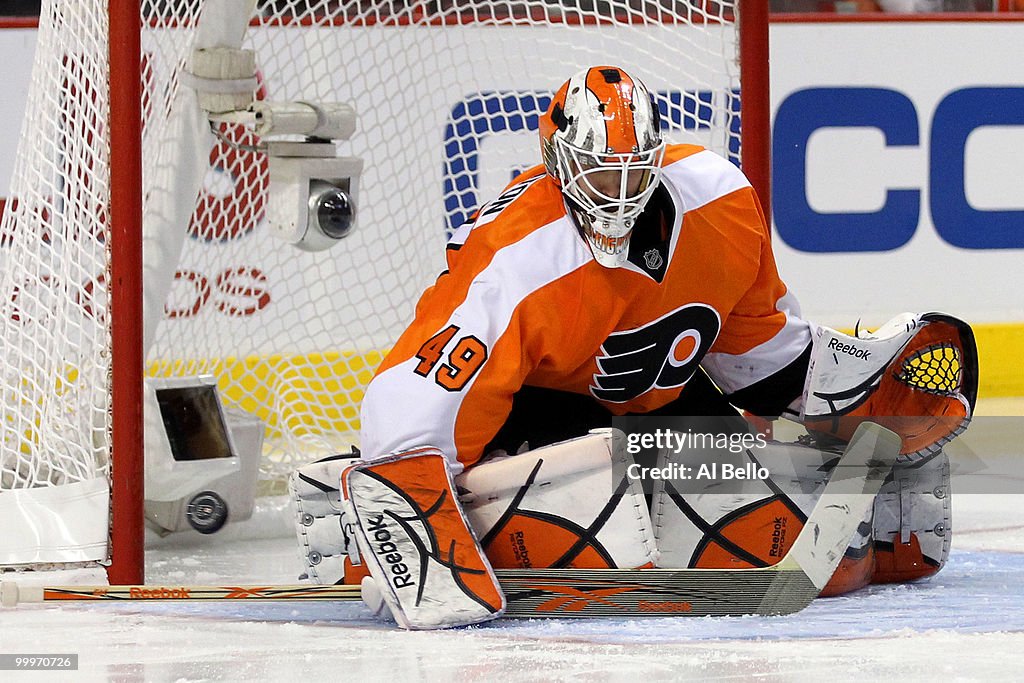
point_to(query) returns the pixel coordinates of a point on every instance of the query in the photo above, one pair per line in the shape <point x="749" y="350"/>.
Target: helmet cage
<point x="578" y="167"/>
<point x="607" y="220"/>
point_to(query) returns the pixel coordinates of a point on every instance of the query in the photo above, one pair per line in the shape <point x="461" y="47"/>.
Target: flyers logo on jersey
<point x="659" y="355"/>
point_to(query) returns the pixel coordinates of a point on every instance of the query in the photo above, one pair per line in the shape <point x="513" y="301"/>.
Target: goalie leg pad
<point x="857" y="567"/>
<point x="705" y="521"/>
<point x="569" y="504"/>
<point x="709" y="522"/>
<point x="912" y="522"/>
<point x="414" y="539"/>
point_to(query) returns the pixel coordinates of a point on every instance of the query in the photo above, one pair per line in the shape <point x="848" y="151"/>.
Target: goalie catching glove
<point x="916" y="375"/>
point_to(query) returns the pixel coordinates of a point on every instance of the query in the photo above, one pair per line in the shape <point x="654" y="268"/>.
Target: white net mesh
<point x="447" y="95"/>
<point x="52" y="254"/>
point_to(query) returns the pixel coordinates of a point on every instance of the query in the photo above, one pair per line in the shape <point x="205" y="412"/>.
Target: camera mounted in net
<point x="312" y="196"/>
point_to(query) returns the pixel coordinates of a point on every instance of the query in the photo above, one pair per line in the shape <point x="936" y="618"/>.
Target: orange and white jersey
<point x="523" y="302"/>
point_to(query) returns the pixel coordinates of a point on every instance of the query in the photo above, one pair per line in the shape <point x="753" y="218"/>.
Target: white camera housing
<point x="312" y="196"/>
<point x="312" y="203"/>
<point x="202" y="461"/>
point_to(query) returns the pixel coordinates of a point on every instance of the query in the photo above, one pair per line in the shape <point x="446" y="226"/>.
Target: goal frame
<point x="127" y="530"/>
<point x="127" y="458"/>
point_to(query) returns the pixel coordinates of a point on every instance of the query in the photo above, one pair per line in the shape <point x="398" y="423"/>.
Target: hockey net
<point x="447" y="94"/>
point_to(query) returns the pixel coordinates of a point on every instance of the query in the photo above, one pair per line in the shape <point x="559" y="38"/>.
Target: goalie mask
<point x="601" y="142"/>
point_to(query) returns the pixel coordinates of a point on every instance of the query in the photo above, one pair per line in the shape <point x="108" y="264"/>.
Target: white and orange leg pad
<point x="912" y="528"/>
<point x="424" y="559"/>
<point x="705" y="519"/>
<point x="569" y="504"/>
<point x="916" y="375"/>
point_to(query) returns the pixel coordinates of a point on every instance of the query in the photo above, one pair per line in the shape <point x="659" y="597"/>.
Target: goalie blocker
<point x="424" y="559"/>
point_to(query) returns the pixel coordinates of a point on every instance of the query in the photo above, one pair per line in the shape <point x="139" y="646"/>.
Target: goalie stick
<point x="783" y="588"/>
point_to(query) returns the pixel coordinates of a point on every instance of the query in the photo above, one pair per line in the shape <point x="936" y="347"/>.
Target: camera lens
<point x="334" y="212"/>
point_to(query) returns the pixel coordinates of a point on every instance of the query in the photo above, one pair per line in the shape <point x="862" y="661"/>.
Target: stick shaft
<point x="13" y="593"/>
<point x="537" y="593"/>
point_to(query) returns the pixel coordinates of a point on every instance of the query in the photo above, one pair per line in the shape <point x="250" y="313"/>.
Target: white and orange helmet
<point x="603" y="120"/>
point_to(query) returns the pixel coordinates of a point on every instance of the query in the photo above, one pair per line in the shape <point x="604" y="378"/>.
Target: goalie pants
<point x="541" y="417"/>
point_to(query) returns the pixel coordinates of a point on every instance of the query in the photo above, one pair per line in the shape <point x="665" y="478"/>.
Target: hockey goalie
<point x="620" y="277"/>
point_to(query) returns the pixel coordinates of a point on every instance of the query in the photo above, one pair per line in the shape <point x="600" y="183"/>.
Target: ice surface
<point x="965" y="623"/>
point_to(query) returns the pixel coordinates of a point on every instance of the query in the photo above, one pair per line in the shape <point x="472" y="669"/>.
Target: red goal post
<point x="121" y="179"/>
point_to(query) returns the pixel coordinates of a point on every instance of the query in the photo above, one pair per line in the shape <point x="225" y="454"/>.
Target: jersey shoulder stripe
<point x="702" y="177"/>
<point x="529" y="202"/>
<point x="522" y="209"/>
